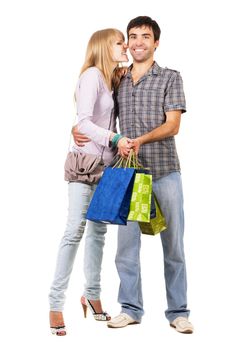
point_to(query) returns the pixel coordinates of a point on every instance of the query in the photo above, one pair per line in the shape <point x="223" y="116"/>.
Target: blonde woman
<point x="106" y="48"/>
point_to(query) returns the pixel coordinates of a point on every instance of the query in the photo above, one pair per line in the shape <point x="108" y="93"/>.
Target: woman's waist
<point x="92" y="148"/>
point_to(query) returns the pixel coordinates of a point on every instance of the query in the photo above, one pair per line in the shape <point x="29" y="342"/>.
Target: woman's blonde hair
<point x="99" y="52"/>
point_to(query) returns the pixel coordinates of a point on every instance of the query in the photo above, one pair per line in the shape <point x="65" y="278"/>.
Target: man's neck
<point x="140" y="68"/>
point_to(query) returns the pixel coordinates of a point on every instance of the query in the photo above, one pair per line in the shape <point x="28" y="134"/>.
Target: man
<point x="151" y="101"/>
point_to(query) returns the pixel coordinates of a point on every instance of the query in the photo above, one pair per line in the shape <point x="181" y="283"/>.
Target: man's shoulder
<point x="169" y="72"/>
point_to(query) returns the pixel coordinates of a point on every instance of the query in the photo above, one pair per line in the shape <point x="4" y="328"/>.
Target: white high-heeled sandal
<point x="59" y="330"/>
<point x="57" y="326"/>
<point x="101" y="316"/>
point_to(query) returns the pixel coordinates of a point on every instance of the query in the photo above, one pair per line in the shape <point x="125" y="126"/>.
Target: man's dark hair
<point x="144" y="21"/>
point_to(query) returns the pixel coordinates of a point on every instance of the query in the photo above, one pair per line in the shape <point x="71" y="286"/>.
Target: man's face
<point x="141" y="43"/>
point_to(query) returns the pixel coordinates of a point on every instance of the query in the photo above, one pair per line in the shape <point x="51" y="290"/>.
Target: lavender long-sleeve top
<point x="94" y="109"/>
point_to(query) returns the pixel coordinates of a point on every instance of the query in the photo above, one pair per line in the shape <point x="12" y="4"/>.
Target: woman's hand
<point x="124" y="146"/>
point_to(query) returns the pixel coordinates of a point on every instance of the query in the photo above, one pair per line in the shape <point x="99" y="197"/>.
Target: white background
<point x="42" y="49"/>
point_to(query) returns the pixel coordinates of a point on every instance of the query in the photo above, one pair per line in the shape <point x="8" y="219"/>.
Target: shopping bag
<point x="157" y="224"/>
<point x="111" y="200"/>
<point x="140" y="204"/>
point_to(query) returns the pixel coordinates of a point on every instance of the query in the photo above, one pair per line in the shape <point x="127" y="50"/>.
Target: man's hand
<point x="79" y="139"/>
<point x="135" y="145"/>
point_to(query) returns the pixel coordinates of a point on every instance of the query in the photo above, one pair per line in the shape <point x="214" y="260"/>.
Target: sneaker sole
<point x="128" y="324"/>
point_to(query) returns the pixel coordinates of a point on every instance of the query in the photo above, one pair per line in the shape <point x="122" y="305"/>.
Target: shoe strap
<point x="58" y="327"/>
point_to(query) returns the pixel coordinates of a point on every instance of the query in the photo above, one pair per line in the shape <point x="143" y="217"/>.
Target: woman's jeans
<point x="168" y="190"/>
<point x="79" y="199"/>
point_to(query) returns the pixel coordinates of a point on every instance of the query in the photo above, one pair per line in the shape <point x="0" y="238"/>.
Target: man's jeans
<point x="79" y="199"/>
<point x="168" y="190"/>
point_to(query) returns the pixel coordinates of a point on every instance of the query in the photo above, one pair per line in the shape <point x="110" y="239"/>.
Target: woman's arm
<point x="87" y="92"/>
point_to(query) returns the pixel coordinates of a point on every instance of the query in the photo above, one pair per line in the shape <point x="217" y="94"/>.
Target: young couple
<point x="150" y="101"/>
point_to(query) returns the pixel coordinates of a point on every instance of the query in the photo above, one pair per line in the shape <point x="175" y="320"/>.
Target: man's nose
<point x="138" y="41"/>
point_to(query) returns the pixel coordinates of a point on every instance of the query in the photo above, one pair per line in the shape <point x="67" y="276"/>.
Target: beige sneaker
<point x="120" y="321"/>
<point x="182" y="325"/>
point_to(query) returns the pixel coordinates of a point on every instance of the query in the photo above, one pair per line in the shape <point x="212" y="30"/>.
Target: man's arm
<point x="169" y="128"/>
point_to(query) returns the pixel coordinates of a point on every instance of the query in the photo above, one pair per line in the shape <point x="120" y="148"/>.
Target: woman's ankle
<point x="56" y="318"/>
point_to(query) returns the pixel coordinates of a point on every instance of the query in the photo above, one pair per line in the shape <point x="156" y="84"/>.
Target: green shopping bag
<point x="156" y="224"/>
<point x="140" y="204"/>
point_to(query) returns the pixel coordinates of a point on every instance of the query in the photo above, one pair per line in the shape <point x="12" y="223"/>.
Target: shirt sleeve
<point x="86" y="93"/>
<point x="174" y="97"/>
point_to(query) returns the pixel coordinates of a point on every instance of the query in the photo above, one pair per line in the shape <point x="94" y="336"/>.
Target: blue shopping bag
<point x="111" y="200"/>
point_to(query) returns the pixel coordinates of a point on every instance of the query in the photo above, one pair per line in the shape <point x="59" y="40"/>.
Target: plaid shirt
<point x="142" y="108"/>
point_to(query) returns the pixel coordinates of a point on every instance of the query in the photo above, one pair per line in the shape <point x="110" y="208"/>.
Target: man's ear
<point x="156" y="44"/>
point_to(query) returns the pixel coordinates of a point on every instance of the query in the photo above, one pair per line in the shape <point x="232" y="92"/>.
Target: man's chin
<point x="139" y="59"/>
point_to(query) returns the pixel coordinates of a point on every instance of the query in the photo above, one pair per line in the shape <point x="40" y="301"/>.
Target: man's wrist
<point x="139" y="140"/>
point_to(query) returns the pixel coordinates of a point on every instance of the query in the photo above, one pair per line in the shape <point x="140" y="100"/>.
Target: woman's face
<point x="119" y="50"/>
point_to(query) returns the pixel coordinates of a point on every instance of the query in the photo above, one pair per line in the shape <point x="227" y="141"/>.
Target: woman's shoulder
<point x="93" y="75"/>
<point x="91" y="72"/>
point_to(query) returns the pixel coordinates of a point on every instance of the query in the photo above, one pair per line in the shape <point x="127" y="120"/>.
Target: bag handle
<point x="131" y="162"/>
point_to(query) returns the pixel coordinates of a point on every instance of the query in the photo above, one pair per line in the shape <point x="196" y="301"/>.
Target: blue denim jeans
<point x="168" y="190"/>
<point x="79" y="199"/>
